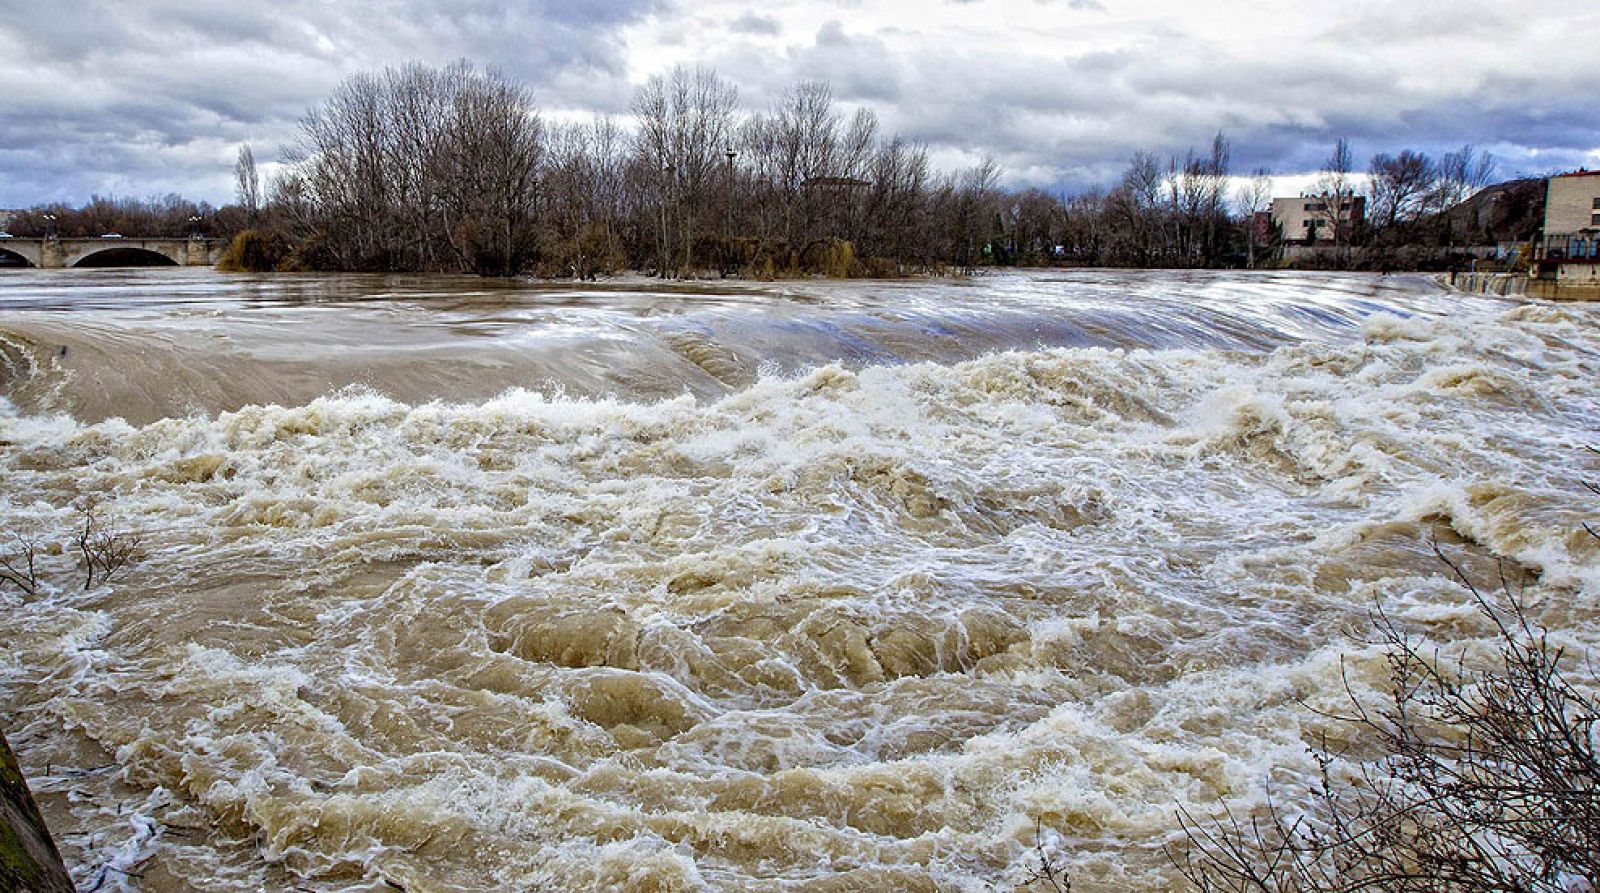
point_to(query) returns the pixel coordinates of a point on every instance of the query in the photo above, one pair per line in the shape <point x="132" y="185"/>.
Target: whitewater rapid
<point x="919" y="587"/>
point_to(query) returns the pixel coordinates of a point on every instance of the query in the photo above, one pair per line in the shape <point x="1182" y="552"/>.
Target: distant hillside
<point x="1505" y="212"/>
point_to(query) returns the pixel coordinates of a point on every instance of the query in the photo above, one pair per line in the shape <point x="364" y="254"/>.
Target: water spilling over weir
<point x="456" y="586"/>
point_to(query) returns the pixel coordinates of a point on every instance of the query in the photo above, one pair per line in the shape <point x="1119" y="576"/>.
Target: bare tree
<point x="1214" y="198"/>
<point x="968" y="206"/>
<point x="489" y="163"/>
<point x="1339" y="190"/>
<point x="685" y="123"/>
<point x="452" y="169"/>
<point x="1135" y="213"/>
<point x="1400" y="186"/>
<point x="247" y="183"/>
<point x="807" y="132"/>
<point x="421" y="168"/>
<point x="1254" y="197"/>
<point x="894" y="201"/>
<point x="1197" y="206"/>
<point x="1460" y="175"/>
<point x="1086" y="226"/>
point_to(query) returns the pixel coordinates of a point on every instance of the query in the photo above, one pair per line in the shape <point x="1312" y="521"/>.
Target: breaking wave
<point x="845" y="626"/>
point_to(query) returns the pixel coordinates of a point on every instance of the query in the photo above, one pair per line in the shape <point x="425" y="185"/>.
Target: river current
<point x="443" y="584"/>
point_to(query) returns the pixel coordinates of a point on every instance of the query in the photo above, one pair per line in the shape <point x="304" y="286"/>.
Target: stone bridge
<point x="55" y="253"/>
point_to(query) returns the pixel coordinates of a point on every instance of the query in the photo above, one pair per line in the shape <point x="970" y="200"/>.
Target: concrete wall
<point x="1553" y="290"/>
<point x="1573" y="274"/>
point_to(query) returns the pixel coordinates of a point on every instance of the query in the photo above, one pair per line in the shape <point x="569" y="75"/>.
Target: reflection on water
<point x="833" y="586"/>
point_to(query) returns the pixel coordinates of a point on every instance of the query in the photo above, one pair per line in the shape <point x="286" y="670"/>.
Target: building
<point x="1314" y="228"/>
<point x="1566" y="257"/>
<point x="1313" y="219"/>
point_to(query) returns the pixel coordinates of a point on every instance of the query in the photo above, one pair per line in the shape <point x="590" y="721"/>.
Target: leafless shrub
<point x="100" y="551"/>
<point x="20" y="568"/>
<point x="1048" y="872"/>
<point x="1489" y="781"/>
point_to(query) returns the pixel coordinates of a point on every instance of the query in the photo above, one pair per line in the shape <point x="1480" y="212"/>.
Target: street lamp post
<point x="194" y="226"/>
<point x="727" y="226"/>
<point x="666" y="244"/>
<point x="49" y="226"/>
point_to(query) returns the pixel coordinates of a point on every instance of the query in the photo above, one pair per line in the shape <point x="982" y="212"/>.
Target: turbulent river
<point x="440" y="584"/>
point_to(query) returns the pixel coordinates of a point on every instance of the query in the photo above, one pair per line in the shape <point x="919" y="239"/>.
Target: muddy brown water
<point x="456" y="584"/>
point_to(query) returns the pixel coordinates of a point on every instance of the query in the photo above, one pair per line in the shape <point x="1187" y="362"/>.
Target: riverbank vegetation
<point x="455" y="169"/>
<point x="1473" y="773"/>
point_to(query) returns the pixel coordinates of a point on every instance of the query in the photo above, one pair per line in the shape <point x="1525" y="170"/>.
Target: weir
<point x="54" y="253"/>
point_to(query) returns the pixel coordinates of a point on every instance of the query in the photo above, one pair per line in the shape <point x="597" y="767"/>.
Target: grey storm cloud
<point x="150" y="97"/>
<point x="754" y="23"/>
<point x="860" y="67"/>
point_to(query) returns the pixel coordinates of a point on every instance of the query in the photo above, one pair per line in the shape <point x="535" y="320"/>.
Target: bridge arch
<point x="9" y="258"/>
<point x="123" y="256"/>
<point x="30" y="250"/>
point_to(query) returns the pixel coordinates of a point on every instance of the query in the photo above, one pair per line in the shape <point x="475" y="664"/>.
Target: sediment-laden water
<point x="453" y="586"/>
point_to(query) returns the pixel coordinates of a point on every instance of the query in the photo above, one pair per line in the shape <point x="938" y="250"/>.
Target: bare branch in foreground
<point x="1489" y="781"/>
<point x="20" y="569"/>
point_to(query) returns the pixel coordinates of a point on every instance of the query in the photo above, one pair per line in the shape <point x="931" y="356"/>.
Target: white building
<point x="1568" y="251"/>
<point x="1313" y="219"/>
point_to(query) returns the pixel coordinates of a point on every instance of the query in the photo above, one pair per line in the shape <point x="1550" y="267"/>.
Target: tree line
<point x="170" y="216"/>
<point x="418" y="168"/>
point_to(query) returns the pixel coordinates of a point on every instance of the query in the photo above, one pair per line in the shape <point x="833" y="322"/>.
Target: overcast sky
<point x="145" y="97"/>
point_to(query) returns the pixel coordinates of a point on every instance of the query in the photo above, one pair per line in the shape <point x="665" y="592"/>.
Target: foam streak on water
<point x="845" y="625"/>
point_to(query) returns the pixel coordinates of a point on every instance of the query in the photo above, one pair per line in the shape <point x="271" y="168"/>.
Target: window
<point x="1597" y="204"/>
<point x="1594" y="219"/>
